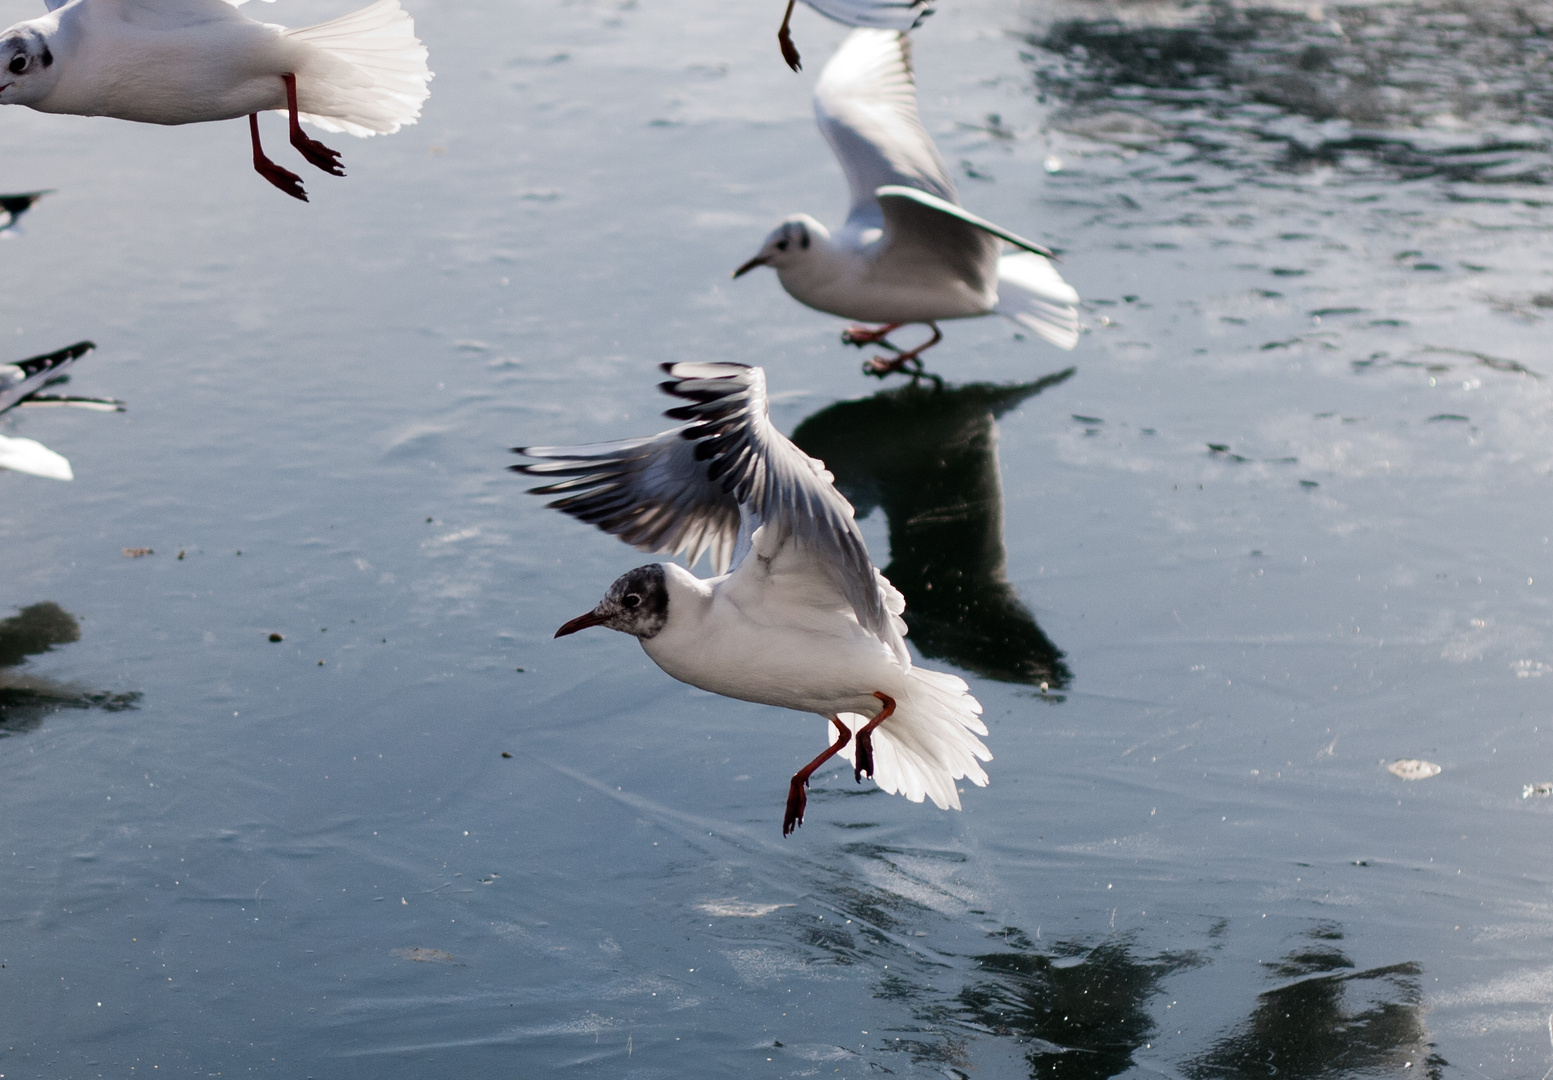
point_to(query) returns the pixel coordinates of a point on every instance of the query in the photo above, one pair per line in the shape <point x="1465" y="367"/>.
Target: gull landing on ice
<point x="908" y="252"/>
<point x="192" y="61"/>
<point x="21" y="386"/>
<point x="797" y="616"/>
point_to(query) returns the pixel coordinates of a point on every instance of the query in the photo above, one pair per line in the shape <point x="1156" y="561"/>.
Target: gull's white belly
<point x="869" y="292"/>
<point x="831" y="667"/>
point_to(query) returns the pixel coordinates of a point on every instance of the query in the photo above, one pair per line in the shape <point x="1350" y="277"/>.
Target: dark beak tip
<point x="581" y="622"/>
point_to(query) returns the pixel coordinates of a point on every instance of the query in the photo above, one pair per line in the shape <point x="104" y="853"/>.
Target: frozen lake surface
<point x="1285" y="523"/>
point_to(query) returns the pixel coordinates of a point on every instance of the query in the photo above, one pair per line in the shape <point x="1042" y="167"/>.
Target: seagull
<point x="21" y="384"/>
<point x="908" y="252"/>
<point x="189" y="61"/>
<point x="884" y="14"/>
<point x="797" y="616"/>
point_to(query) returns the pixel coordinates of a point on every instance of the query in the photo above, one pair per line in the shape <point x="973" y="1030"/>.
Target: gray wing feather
<point x="882" y="14"/>
<point x="866" y="105"/>
<point x="923" y="245"/>
<point x="776" y="484"/>
<point x="903" y="199"/>
<point x="23" y="378"/>
<point x="652" y="493"/>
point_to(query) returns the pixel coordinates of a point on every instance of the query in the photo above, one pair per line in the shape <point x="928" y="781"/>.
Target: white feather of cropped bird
<point x="798" y="617"/>
<point x="21" y="386"/>
<point x="192" y="61"/>
<point x="880" y="14"/>
<point x="908" y="252"/>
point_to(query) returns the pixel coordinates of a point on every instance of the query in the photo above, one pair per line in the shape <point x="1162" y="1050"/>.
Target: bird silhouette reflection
<point x="26" y="701"/>
<point x="1082" y="1011"/>
<point x="1327" y="1020"/>
<point x="927" y="455"/>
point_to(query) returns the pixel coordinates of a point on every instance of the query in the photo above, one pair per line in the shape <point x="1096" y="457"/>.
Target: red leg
<point x="865" y="335"/>
<point x="880" y="366"/>
<point x="796" y="799"/>
<point x="316" y="152"/>
<point x="286" y="180"/>
<point x="785" y="39"/>
<point x="865" y="741"/>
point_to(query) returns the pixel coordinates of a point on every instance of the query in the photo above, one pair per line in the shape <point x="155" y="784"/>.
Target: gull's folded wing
<point x="900" y="199"/>
<point x="808" y="543"/>
<point x="881" y="14"/>
<point x="653" y="493"/>
<point x="866" y="106"/>
<point x="23" y="378"/>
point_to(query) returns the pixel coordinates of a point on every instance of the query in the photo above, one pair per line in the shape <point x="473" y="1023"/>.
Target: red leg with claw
<point x="796" y="799"/>
<point x="866" y="335"/>
<point x="865" y="741"/>
<point x="880" y="366"/>
<point x="285" y="179"/>
<point x="785" y="39"/>
<point x="316" y="152"/>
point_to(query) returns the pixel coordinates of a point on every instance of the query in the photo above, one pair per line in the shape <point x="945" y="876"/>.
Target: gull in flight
<point x="21" y="384"/>
<point x="908" y="252"/>
<point x="189" y="61"/>
<point x="882" y="14"/>
<point x="797" y="616"/>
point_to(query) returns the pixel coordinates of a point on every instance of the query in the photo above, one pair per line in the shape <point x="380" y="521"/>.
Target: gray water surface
<point x="1316" y="239"/>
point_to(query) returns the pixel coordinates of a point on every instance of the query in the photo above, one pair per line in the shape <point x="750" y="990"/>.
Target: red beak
<point x="758" y="260"/>
<point x="581" y="622"/>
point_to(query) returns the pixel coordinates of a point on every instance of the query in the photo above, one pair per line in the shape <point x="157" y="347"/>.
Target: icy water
<point x="1284" y="523"/>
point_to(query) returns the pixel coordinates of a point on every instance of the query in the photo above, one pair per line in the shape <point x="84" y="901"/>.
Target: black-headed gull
<point x="908" y="253"/>
<point x="190" y="61"/>
<point x="881" y="14"/>
<point x="797" y="617"/>
<point x="21" y="384"/>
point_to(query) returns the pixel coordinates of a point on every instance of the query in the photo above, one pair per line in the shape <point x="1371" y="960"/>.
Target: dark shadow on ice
<point x="1433" y="89"/>
<point x="1080" y="1010"/>
<point x="1327" y="1020"/>
<point x="927" y="456"/>
<point x="25" y="702"/>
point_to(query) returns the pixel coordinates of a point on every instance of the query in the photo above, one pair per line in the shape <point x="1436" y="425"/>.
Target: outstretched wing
<point x="653" y="493"/>
<point x="800" y="526"/>
<point x="27" y="456"/>
<point x="884" y="14"/>
<point x="22" y="379"/>
<point x="866" y="106"/>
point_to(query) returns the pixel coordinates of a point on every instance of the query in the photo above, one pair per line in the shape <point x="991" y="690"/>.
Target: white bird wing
<point x="23" y="378"/>
<point x="884" y="14"/>
<point x="866" y="105"/>
<point x="27" y="456"/>
<point x="797" y="526"/>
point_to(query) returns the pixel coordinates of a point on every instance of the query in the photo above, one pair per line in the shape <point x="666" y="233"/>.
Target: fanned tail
<point x="365" y="72"/>
<point x="27" y="456"/>
<point x="1033" y="294"/>
<point x="930" y="741"/>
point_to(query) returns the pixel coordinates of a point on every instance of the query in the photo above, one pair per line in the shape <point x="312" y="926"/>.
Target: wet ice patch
<point x="1413" y="769"/>
<point x="734" y="908"/>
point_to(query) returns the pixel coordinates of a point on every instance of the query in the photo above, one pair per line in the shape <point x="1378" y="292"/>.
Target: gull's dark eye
<point x="18" y="64"/>
<point x="781" y="244"/>
<point x="632" y="600"/>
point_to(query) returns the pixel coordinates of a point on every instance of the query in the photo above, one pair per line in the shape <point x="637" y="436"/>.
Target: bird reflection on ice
<point x="26" y="701"/>
<point x="928" y="457"/>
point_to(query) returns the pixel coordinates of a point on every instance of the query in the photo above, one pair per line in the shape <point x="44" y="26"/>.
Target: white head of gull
<point x="21" y="386"/>
<point x="908" y="252"/>
<point x="797" y="616"/>
<point x="190" y="61"/>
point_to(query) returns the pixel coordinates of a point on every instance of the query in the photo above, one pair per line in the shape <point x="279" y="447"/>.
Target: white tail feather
<point x="27" y="456"/>
<point x="929" y="742"/>
<point x="1033" y="294"/>
<point x="365" y="73"/>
